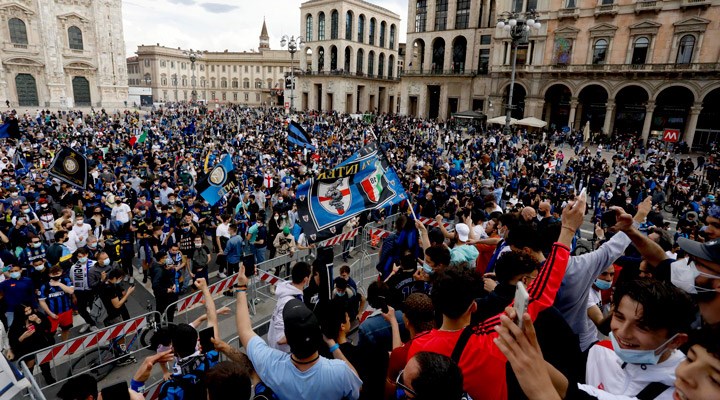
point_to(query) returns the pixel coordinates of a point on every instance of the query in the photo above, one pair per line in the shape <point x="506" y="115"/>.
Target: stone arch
<point x="630" y="103"/>
<point x="417" y="54"/>
<point x="592" y="101"/>
<point x="617" y="89"/>
<point x="348" y="58"/>
<point x="459" y="54"/>
<point x="672" y="107"/>
<point x="570" y="86"/>
<point x="557" y="109"/>
<point x="692" y="88"/>
<point x="438" y="55"/>
<point x="520" y="92"/>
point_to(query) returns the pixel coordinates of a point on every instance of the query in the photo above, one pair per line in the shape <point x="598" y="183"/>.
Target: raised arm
<point x="210" y="311"/>
<point x="242" y="314"/>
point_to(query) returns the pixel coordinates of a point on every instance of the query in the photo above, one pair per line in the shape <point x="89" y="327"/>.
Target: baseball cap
<point x="302" y="329"/>
<point x="707" y="251"/>
<point x="463" y="231"/>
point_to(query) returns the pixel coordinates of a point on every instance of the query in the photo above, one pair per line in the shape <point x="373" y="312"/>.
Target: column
<point x="609" y="113"/>
<point x="692" y="123"/>
<point x="649" y="109"/>
<point x="573" y="108"/>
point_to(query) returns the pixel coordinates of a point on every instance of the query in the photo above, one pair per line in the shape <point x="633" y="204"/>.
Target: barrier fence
<point x="91" y="352"/>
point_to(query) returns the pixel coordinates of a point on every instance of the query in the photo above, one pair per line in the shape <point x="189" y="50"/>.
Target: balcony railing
<point x="612" y="68"/>
<point x="606" y="9"/>
<point x="648" y="5"/>
<point x="348" y="73"/>
<point x="569" y="13"/>
<point x="20" y="48"/>
<point x="437" y="72"/>
<point x="694" y="3"/>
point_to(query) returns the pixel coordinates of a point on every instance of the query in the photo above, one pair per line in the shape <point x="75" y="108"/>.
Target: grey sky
<point x="218" y="25"/>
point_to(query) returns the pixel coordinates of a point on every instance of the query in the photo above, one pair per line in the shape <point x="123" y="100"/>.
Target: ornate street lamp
<point x="518" y="24"/>
<point x="193" y="56"/>
<point x="293" y="45"/>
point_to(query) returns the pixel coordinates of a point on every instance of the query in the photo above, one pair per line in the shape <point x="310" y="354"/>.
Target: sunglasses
<point x="402" y="391"/>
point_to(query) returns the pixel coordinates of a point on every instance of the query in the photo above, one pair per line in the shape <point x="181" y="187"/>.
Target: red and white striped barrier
<point x="432" y="222"/>
<point x="268" y="277"/>
<point x="340" y="238"/>
<point x="380" y="233"/>
<point x="215" y="289"/>
<point x="98" y="338"/>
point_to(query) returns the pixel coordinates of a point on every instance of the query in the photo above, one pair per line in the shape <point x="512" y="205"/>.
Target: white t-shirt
<point x="121" y="213"/>
<point x="223" y="230"/>
<point x="78" y="236"/>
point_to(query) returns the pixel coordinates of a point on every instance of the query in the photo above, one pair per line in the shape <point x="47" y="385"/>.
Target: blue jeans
<point x="260" y="254"/>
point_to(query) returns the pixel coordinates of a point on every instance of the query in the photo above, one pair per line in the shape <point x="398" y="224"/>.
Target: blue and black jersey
<point x="56" y="299"/>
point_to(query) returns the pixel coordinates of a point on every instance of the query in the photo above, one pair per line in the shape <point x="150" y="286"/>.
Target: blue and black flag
<point x="70" y="166"/>
<point x="297" y="135"/>
<point x="365" y="181"/>
<point x="220" y="181"/>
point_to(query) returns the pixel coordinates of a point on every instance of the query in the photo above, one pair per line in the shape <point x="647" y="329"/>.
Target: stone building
<point x="254" y="78"/>
<point x="62" y="53"/>
<point x="350" y="63"/>
<point x="628" y="66"/>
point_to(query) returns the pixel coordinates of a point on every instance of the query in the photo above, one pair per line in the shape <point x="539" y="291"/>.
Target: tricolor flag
<point x="138" y="139"/>
<point x="297" y="135"/>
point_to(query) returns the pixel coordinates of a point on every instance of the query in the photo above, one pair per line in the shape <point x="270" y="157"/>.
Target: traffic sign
<point x="671" y="135"/>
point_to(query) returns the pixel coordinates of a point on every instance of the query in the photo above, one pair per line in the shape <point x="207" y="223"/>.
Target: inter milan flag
<point x="364" y="181"/>
<point x="220" y="181"/>
<point x="70" y="167"/>
<point x="298" y="136"/>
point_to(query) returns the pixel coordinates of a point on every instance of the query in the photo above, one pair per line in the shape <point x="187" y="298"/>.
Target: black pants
<point x="84" y="300"/>
<point x="162" y="301"/>
<point x="233" y="268"/>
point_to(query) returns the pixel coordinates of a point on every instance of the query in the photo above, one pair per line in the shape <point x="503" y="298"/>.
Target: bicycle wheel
<point x="97" y="363"/>
<point x="146" y="337"/>
<point x="668" y="207"/>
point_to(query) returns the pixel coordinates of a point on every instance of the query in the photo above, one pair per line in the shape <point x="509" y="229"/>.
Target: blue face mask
<point x="15" y="275"/>
<point x="603" y="285"/>
<point x="648" y="357"/>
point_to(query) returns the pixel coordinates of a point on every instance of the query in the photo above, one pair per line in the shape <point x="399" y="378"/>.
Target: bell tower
<point x="264" y="38"/>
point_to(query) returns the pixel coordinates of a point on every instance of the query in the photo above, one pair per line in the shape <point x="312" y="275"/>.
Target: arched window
<point x="235" y="83"/>
<point x="383" y="28"/>
<point x="223" y="83"/>
<point x="600" y="51"/>
<point x="348" y="25"/>
<point x="334" y="25"/>
<point x="685" y="50"/>
<point x="321" y="26"/>
<point x="392" y="37"/>
<point x="361" y="28"/>
<point x="640" y="50"/>
<point x="381" y="65"/>
<point x="333" y="58"/>
<point x="18" y="31"/>
<point x="360" y="61"/>
<point x="371" y="63"/>
<point x="75" y="38"/>
<point x="184" y="80"/>
<point x="391" y="66"/>
<point x="147" y="79"/>
<point x="371" y="38"/>
<point x="308" y="28"/>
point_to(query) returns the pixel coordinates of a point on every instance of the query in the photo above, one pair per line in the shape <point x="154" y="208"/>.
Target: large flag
<point x="4" y="131"/>
<point x="365" y="181"/>
<point x="21" y="166"/>
<point x="220" y="181"/>
<point x="298" y="136"/>
<point x="139" y="139"/>
<point x="70" y="167"/>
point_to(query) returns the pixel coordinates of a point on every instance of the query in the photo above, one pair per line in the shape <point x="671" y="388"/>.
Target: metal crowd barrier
<point x="90" y="352"/>
<point x="34" y="391"/>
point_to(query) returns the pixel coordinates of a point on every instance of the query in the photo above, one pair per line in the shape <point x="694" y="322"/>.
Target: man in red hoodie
<point x="472" y="346"/>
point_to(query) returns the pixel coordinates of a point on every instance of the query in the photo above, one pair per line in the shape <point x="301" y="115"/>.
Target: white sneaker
<point x="272" y="290"/>
<point x="126" y="278"/>
<point x="222" y="276"/>
<point x="94" y="328"/>
<point x="85" y="328"/>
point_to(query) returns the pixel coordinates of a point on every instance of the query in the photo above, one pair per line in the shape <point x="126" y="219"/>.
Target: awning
<point x="469" y="115"/>
<point x="532" y="121"/>
<point x="501" y="120"/>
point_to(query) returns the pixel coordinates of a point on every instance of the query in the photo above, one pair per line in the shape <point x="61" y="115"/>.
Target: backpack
<point x="98" y="312"/>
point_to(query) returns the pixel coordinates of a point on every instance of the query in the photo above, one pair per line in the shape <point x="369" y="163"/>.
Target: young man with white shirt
<point x="121" y="211"/>
<point x="77" y="237"/>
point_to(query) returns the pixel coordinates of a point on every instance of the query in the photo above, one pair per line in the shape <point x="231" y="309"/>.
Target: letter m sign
<point x="671" y="135"/>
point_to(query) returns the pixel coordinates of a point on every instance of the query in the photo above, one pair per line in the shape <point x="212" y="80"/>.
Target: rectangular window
<point x="462" y="16"/>
<point x="420" y="15"/>
<point x="247" y="96"/>
<point x="484" y="61"/>
<point x="257" y="97"/>
<point x="258" y="84"/>
<point x="257" y="69"/>
<point x="235" y="97"/>
<point x="234" y="68"/>
<point x="212" y="68"/>
<point x="517" y="5"/>
<point x="246" y="69"/>
<point x="485" y="39"/>
<point x="212" y="95"/>
<point x="522" y="54"/>
<point x="441" y="9"/>
<point x="172" y="64"/>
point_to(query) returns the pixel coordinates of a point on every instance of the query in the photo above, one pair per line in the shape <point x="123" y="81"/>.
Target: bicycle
<point x="101" y="361"/>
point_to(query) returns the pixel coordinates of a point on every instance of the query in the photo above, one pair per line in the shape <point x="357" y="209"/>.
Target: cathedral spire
<point x="264" y="37"/>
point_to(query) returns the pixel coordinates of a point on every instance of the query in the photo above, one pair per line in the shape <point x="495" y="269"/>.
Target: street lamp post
<point x="193" y="56"/>
<point x="293" y="45"/>
<point x="518" y="24"/>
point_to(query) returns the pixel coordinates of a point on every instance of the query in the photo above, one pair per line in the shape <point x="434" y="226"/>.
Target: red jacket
<point x="482" y="363"/>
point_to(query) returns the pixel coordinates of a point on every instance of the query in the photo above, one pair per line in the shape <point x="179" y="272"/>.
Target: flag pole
<point x="410" y="205"/>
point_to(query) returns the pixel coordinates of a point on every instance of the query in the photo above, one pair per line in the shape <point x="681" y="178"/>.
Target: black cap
<point x="707" y="251"/>
<point x="302" y="329"/>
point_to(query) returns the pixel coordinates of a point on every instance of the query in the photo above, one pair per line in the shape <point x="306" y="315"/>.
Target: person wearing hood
<point x="285" y="292"/>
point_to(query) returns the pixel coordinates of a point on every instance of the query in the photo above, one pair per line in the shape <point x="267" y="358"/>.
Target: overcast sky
<point x="217" y="25"/>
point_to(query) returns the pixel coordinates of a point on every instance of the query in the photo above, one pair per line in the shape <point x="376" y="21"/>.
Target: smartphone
<point x="31" y="328"/>
<point x="522" y="298"/>
<point x="118" y="391"/>
<point x="205" y="336"/>
<point x="609" y="218"/>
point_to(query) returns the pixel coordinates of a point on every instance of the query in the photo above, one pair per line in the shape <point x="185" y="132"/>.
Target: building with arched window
<point x="352" y="68"/>
<point x="51" y="54"/>
<point x="252" y="78"/>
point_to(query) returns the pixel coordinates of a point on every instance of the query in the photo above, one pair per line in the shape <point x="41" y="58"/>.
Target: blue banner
<point x="220" y="181"/>
<point x="365" y="181"/>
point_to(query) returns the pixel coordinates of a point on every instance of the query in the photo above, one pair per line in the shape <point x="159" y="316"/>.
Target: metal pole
<point x="513" y="48"/>
<point x="292" y="80"/>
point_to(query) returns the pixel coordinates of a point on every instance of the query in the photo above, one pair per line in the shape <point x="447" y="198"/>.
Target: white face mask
<point x="683" y="274"/>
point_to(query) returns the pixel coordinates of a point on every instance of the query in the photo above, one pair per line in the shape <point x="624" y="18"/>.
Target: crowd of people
<point x="635" y="317"/>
